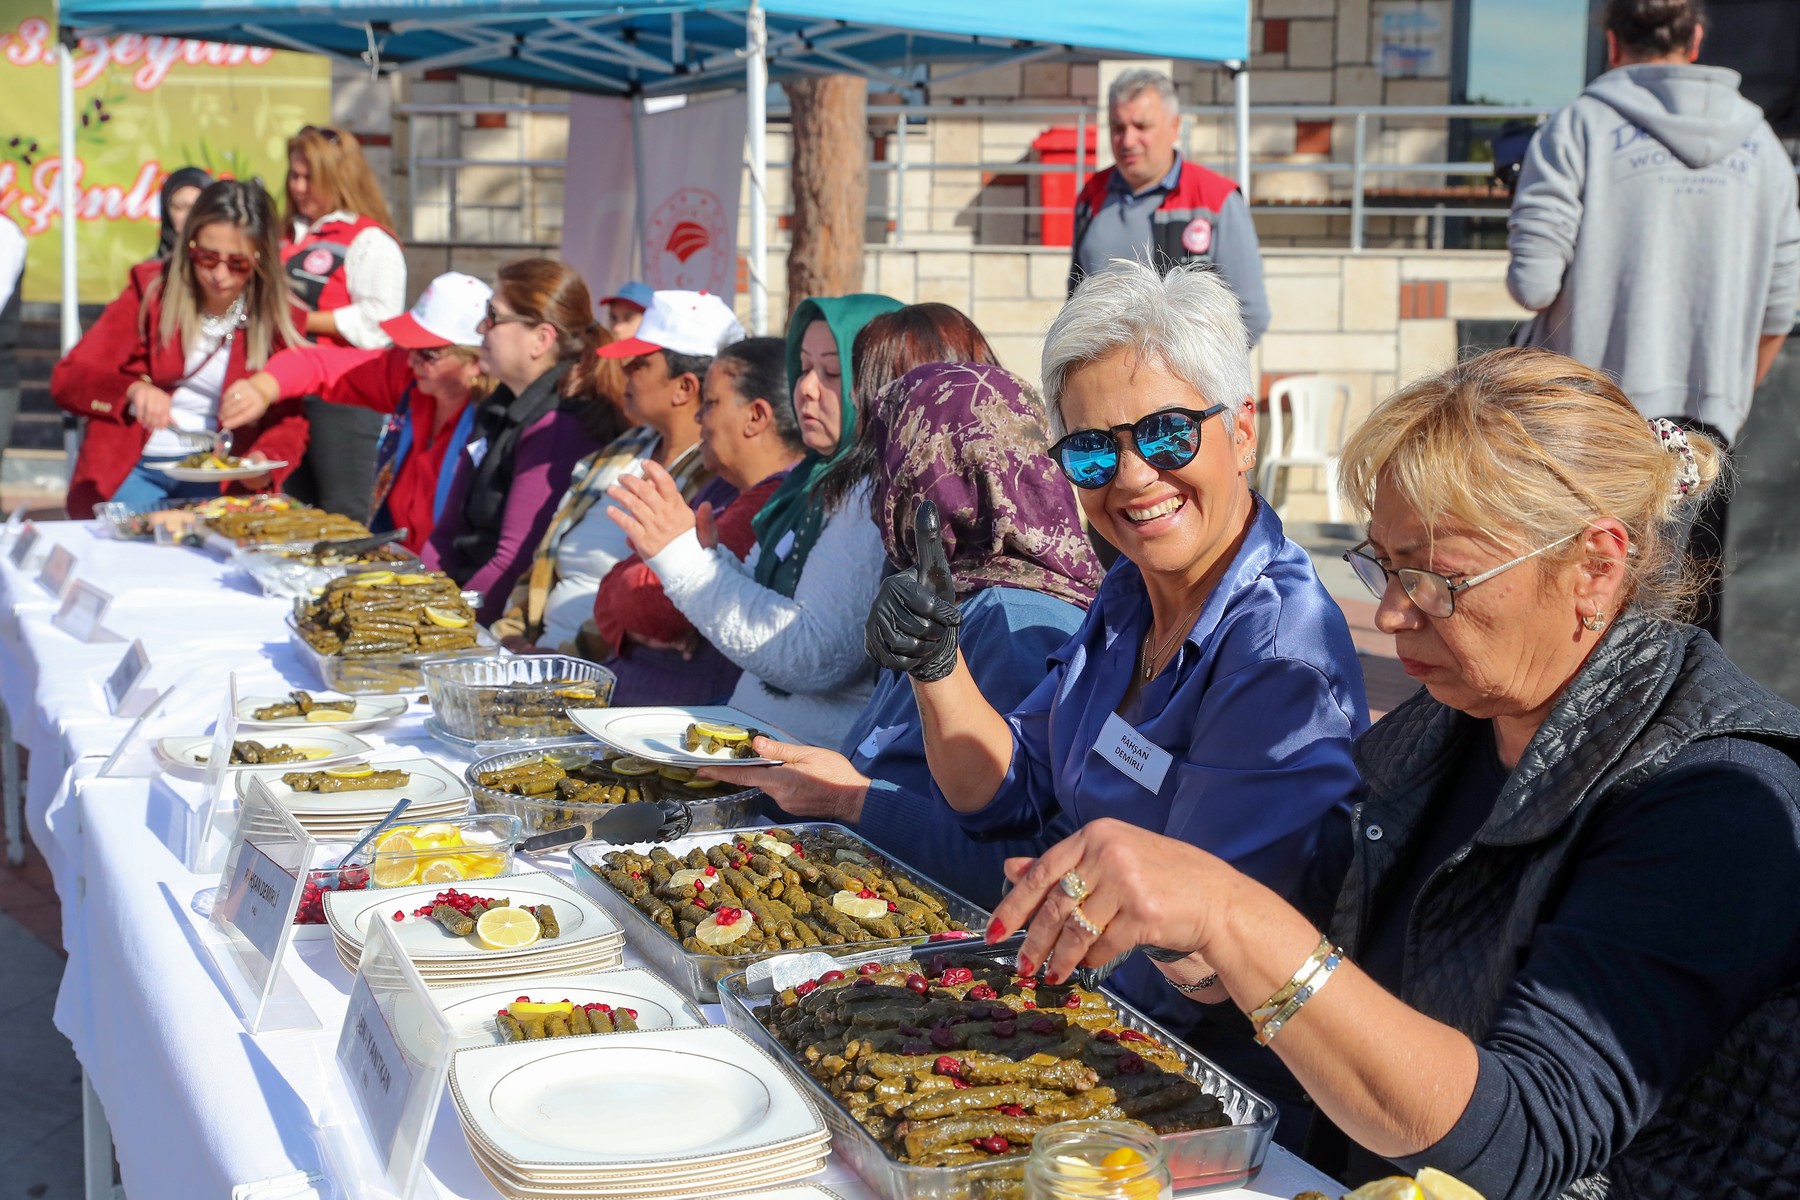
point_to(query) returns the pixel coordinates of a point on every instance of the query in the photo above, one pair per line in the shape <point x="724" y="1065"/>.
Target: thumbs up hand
<point x="912" y="625"/>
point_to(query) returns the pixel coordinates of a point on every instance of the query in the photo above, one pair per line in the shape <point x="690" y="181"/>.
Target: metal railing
<point x="889" y="204"/>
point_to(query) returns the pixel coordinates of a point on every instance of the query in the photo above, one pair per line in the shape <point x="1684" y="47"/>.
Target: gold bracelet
<point x="1314" y="984"/>
<point x="1273" y="1004"/>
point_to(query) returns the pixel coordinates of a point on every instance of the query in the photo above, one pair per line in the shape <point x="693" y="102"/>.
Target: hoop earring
<point x="1594" y="623"/>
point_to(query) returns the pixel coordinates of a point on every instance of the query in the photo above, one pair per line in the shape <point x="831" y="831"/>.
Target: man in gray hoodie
<point x="1655" y="233"/>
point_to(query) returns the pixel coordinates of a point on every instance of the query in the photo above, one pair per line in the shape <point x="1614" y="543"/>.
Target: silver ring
<point x="1081" y="919"/>
<point x="1073" y="888"/>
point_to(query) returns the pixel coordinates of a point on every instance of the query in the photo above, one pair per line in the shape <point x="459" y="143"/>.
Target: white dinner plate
<point x="656" y="732"/>
<point x="535" y="1104"/>
<point x="725" y="1179"/>
<point x="471" y="1010"/>
<point x="425" y="941"/>
<point x="226" y="475"/>
<point x="185" y="753"/>
<point x="431" y="784"/>
<point x="370" y="711"/>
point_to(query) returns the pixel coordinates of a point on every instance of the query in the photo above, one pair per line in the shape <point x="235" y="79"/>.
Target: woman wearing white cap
<point x="429" y="383"/>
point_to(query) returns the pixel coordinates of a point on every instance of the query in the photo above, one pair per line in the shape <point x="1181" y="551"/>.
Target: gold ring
<point x="1073" y="888"/>
<point x="1081" y="919"/>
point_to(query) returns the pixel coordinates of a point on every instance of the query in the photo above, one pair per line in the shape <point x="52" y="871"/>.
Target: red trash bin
<point x="1055" y="190"/>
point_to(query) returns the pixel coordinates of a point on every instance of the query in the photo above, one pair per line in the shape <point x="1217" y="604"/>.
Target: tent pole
<point x="756" y="84"/>
<point x="641" y="218"/>
<point x="65" y="178"/>
<point x="1240" y="102"/>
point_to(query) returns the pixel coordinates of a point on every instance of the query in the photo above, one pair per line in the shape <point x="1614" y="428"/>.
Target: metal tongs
<point x="358" y="545"/>
<point x="195" y="441"/>
<point x="625" y="824"/>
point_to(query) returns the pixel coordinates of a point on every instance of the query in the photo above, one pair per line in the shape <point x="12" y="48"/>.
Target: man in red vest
<point x="1152" y="206"/>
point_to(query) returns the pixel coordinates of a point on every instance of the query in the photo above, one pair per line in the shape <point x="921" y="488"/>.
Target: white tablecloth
<point x="198" y="1105"/>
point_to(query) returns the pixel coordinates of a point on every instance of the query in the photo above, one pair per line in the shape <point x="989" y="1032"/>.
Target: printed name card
<point x="1136" y="755"/>
<point x="394" y="1052"/>
<point x="58" y="568"/>
<point x="259" y="893"/>
<point x="14" y="522"/>
<point x="84" y="607"/>
<point x="126" y="679"/>
<point x="23" y="545"/>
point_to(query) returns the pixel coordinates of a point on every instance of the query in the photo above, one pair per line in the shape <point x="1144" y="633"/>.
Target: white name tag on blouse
<point x="477" y="451"/>
<point x="1133" y="753"/>
<point x="784" y="545"/>
<point x="879" y="739"/>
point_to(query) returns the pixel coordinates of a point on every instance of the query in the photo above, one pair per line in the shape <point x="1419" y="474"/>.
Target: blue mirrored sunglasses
<point x="1167" y="439"/>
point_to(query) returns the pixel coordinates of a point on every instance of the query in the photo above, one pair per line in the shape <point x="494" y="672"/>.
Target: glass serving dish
<point x="496" y="700"/>
<point x="1198" y="1159"/>
<point x="278" y="571"/>
<point x="688" y="811"/>
<point x="445" y="851"/>
<point x="386" y="673"/>
<point x="698" y="974"/>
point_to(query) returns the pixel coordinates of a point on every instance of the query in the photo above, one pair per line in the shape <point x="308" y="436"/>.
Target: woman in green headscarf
<point x="792" y="614"/>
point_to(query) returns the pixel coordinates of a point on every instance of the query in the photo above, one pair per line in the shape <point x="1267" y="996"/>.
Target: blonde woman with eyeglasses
<point x="161" y="356"/>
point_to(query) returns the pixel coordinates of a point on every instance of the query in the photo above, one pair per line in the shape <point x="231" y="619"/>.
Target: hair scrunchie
<point x="1674" y="440"/>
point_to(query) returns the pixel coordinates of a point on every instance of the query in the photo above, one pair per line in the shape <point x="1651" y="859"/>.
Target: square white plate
<point x="426" y="942"/>
<point x="679" y="1188"/>
<point x="656" y="732"/>
<point x="183" y="754"/>
<point x="658" y="1006"/>
<point x="432" y="784"/>
<point x="535" y="1104"/>
<point x="369" y="711"/>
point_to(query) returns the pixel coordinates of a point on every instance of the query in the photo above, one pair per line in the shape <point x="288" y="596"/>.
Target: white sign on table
<point x="253" y="914"/>
<point x="15" y="521"/>
<point x="83" y="609"/>
<point x="202" y="845"/>
<point x="124" y="688"/>
<point x="58" y="569"/>
<point x="394" y="1055"/>
<point x="23" y="544"/>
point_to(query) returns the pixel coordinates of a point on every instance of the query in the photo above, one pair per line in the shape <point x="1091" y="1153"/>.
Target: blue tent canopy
<point x="649" y="47"/>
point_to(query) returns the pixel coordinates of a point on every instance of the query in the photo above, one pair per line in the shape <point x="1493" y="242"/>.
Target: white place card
<point x="58" y="569"/>
<point x="83" y="609"/>
<point x="14" y="521"/>
<point x="394" y="1054"/>
<point x="127" y="680"/>
<point x="253" y="912"/>
<point x="23" y="544"/>
<point x="203" y="847"/>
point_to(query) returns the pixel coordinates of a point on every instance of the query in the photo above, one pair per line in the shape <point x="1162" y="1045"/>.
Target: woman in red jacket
<point x="162" y="354"/>
<point x="429" y="382"/>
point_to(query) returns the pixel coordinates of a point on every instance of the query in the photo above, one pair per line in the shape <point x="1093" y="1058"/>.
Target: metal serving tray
<point x="688" y="814"/>
<point x="281" y="576"/>
<point x="1199" y="1159"/>
<point x="699" y="974"/>
<point x="389" y="674"/>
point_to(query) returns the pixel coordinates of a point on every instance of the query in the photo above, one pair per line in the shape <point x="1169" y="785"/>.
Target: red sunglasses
<point x="206" y="260"/>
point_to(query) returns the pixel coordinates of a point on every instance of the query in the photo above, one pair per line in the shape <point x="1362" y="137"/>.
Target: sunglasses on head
<point x="206" y="260"/>
<point x="324" y="131"/>
<point x="1168" y="440"/>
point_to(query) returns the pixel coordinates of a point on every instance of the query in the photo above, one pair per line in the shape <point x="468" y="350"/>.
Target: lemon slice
<point x="313" y="752"/>
<point x="394" y="868"/>
<point x="353" y="771"/>
<point x="440" y="834"/>
<point x="853" y="905"/>
<point x="535" y="1008"/>
<point x="777" y="847"/>
<point x="632" y="765"/>
<point x="684" y="881"/>
<point x="373" y="578"/>
<point x="506" y="929"/>
<point x="1438" y="1186"/>
<point x="445" y="619"/>
<point x="397" y="841"/>
<point x="711" y="933"/>
<point x="720" y="731"/>
<point x="442" y="870"/>
<point x="412" y="580"/>
<point x="482" y="863"/>
<point x="1394" y="1187"/>
<point x="320" y="716"/>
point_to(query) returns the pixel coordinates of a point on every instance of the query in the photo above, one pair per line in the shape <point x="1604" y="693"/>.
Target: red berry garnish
<point x="865" y="894"/>
<point x="869" y="969"/>
<point x="799" y="850"/>
<point x="947" y="1065"/>
<point x="959" y="1084"/>
<point x="982" y="991"/>
<point x="1072" y="1000"/>
<point x="955" y="975"/>
<point x="1132" y="1035"/>
<point x="831" y="977"/>
<point x="398" y="915"/>
<point x="1012" y="1110"/>
<point x="918" y="983"/>
<point x="892" y="907"/>
<point x="521" y="999"/>
<point x="806" y="987"/>
<point x="712" y="870"/>
<point x="632" y="1013"/>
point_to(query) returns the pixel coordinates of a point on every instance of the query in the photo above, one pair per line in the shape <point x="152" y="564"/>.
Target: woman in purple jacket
<point x="539" y="340"/>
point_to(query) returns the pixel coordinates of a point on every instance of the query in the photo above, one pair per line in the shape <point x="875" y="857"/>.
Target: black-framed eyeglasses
<point x="1167" y="439"/>
<point x="1431" y="593"/>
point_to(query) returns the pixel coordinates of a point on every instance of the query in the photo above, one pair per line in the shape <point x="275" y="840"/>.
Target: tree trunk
<point x="830" y="185"/>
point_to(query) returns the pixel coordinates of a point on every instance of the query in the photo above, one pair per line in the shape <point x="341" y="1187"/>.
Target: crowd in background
<point x="1554" y="947"/>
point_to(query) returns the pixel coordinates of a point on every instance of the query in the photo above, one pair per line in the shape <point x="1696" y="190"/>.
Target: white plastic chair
<point x="1318" y="407"/>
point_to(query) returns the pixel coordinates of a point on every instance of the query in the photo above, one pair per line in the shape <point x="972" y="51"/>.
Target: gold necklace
<point x="1152" y="654"/>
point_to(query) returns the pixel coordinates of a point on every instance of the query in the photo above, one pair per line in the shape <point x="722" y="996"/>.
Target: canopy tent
<point x="644" y="48"/>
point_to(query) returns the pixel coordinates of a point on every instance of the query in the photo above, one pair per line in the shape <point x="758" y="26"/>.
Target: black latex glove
<point x="912" y="626"/>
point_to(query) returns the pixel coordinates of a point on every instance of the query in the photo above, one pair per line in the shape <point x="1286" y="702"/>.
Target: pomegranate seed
<point x="959" y="1084"/>
<point x="917" y="983"/>
<point x="632" y="1013"/>
<point x="892" y="907"/>
<point x="865" y="894"/>
<point x="806" y="987"/>
<point x="522" y="1000"/>
<point x="869" y="969"/>
<point x="799" y="850"/>
<point x="947" y="1065"/>
<point x="982" y="991"/>
<point x="711" y="870"/>
<point x="1012" y="1110"/>
<point x="1072" y="1000"/>
<point x="831" y="977"/>
<point x="398" y="915"/>
<point x="1132" y="1035"/>
<point x="955" y="975"/>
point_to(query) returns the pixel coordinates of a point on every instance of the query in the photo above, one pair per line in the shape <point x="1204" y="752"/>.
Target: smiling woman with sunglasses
<point x="161" y="355"/>
<point x="1212" y="692"/>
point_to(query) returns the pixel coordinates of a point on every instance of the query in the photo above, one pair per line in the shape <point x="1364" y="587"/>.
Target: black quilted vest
<point x="1649" y="689"/>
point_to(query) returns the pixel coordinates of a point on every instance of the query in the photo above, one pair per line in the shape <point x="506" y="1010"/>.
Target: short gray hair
<point x="1133" y="83"/>
<point x="1186" y="322"/>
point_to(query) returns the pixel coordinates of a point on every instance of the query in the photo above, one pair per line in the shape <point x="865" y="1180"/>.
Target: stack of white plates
<point x="436" y="793"/>
<point x="671" y="1112"/>
<point x="589" y="939"/>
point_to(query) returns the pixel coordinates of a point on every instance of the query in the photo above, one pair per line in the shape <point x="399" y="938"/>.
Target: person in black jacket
<point x="12" y="282"/>
<point x="1566" y="954"/>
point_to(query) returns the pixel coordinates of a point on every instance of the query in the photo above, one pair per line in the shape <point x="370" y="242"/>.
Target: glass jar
<point x="1097" y="1160"/>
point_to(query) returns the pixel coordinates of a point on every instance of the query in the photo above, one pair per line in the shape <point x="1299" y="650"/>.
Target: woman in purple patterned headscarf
<point x="972" y="439"/>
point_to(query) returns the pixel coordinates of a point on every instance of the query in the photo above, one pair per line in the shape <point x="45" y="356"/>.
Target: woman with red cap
<point x="429" y="383"/>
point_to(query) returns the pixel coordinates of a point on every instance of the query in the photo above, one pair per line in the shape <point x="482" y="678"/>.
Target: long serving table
<point x="193" y="1104"/>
